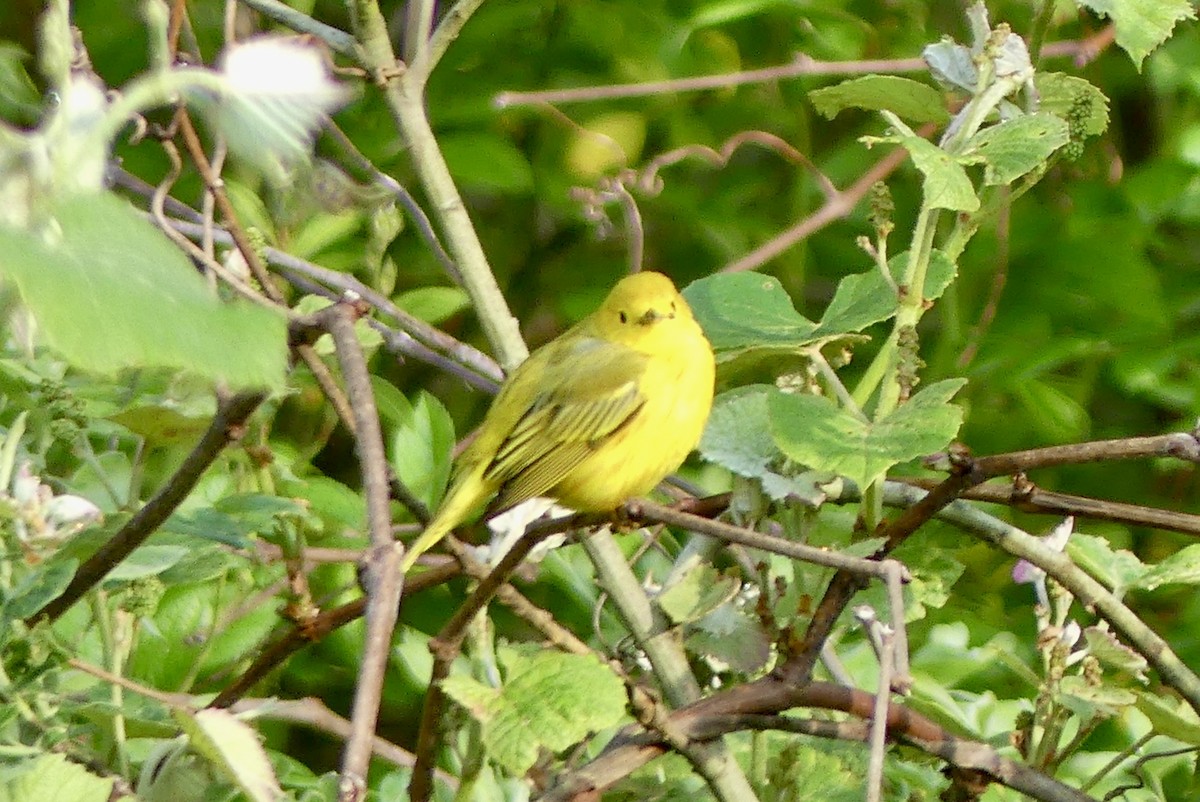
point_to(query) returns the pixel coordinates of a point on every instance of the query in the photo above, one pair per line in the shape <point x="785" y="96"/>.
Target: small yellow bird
<point x="599" y="415"/>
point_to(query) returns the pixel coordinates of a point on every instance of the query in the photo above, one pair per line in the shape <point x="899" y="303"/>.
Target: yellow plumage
<point x="597" y="416"/>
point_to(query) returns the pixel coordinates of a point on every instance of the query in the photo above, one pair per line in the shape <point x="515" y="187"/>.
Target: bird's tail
<point x="463" y="496"/>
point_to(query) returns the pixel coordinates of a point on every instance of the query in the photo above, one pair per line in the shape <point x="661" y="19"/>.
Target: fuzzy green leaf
<point x="53" y="778"/>
<point x="551" y="701"/>
<point x="1011" y="149"/>
<point x="1060" y="93"/>
<point x="862" y="299"/>
<point x="946" y="185"/>
<point x="814" y="431"/>
<point x="1181" y="568"/>
<point x="744" y="310"/>
<point x="905" y="97"/>
<point x="233" y="749"/>
<point x="113" y="292"/>
<point x="1142" y="25"/>
<point x="696" y="593"/>
<point x="738" y="437"/>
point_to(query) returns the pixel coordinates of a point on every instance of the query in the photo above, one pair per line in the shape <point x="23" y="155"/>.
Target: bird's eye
<point x="672" y="307"/>
<point x="624" y="317"/>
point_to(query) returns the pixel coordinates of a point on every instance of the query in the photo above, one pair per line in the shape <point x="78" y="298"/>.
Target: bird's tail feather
<point x="461" y="499"/>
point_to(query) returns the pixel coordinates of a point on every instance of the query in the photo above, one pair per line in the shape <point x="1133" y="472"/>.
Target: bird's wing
<point x="593" y="392"/>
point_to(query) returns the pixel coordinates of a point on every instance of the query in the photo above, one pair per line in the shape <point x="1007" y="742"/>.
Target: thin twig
<point x="879" y="716"/>
<point x="446" y="32"/>
<point x="1087" y="591"/>
<point x="757" y="705"/>
<point x="405" y="98"/>
<point x="382" y="577"/>
<point x="640" y="510"/>
<point x="314" y="714"/>
<point x="446" y="353"/>
<point x="1024" y="495"/>
<point x="834" y="208"/>
<point x="400" y="192"/>
<point x="801" y="65"/>
<point x="214" y="185"/>
<point x="338" y="40"/>
<point x="969" y="473"/>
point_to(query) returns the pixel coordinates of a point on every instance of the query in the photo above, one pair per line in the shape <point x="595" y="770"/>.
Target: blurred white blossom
<point x="41" y="515"/>
<point x="277" y="93"/>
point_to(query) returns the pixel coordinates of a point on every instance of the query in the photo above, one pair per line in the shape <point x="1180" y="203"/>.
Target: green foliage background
<point x="1094" y="336"/>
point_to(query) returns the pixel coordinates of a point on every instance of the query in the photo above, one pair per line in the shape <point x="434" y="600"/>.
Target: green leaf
<point x="167" y="423"/>
<point x="740" y="311"/>
<point x="485" y="161"/>
<point x="862" y="299"/>
<point x="112" y="292"/>
<point x="696" y="592"/>
<point x="1116" y="569"/>
<point x="814" y="431"/>
<point x="551" y="701"/>
<point x="946" y="185"/>
<point x="1105" y="647"/>
<point x="148" y="560"/>
<point x="738" y="437"/>
<point x="433" y="304"/>
<point x="731" y="636"/>
<point x="1061" y="93"/>
<point x="1142" y="25"/>
<point x="1011" y="149"/>
<point x="200" y="564"/>
<point x="1181" y="568"/>
<point x="1084" y="698"/>
<point x="53" y="778"/>
<point x="233" y="748"/>
<point x="1174" y="719"/>
<point x="1058" y="416"/>
<point x="323" y="231"/>
<point x="905" y="97"/>
<point x="421" y="447"/>
<point x="481" y="701"/>
<point x="40" y="588"/>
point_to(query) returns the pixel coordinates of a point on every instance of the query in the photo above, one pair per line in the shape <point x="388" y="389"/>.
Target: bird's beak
<point x="652" y="316"/>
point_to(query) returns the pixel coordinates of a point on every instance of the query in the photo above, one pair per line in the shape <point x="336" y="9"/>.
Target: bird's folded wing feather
<point x="595" y="393"/>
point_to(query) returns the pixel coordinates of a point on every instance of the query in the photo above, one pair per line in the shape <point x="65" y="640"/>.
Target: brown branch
<point x="216" y="188"/>
<point x="424" y="227"/>
<point x="382" y="578"/>
<point x="418" y="339"/>
<point x="225" y="428"/>
<point x="314" y="714"/>
<point x="970" y="472"/>
<point x="802" y="65"/>
<point x="757" y="705"/>
<point x="1024" y="495"/>
<point x="644" y="511"/>
<point x="316" y="628"/>
<point x="446" y="645"/>
<point x="309" y="712"/>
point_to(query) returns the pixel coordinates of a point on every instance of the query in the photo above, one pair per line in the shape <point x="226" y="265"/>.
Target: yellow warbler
<point x="595" y="417"/>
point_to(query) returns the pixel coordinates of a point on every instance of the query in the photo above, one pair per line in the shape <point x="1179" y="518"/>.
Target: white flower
<point x="277" y="94"/>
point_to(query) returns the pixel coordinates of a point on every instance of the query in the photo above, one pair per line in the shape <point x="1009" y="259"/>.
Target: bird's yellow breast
<point x="678" y="389"/>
